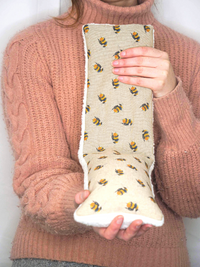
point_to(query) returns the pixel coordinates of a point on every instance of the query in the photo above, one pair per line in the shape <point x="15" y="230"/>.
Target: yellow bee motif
<point x="84" y="155"/>
<point x="147" y="173"/>
<point x="145" y="106"/>
<point x="152" y="199"/>
<point x="132" y="167"/>
<point x="127" y="121"/>
<point x="88" y="83"/>
<point x="102" y="41"/>
<point x="102" y="98"/>
<point x="85" y="136"/>
<point x="131" y="206"/>
<point x="89" y="170"/>
<point x="138" y="160"/>
<point x="146" y="28"/>
<point x="95" y="206"/>
<point x="88" y="162"/>
<point x="88" y="53"/>
<point x="115" y="83"/>
<point x="120" y="159"/>
<point x="98" y="67"/>
<point x="116" y="29"/>
<point x="116" y="54"/>
<point x="133" y="90"/>
<point x="135" y="36"/>
<point x="103" y="182"/>
<point x="87" y="109"/>
<point x="116" y="152"/>
<point x="119" y="172"/>
<point x="140" y="182"/>
<point x="146" y="165"/>
<point x="115" y="138"/>
<point x="145" y="135"/>
<point x="103" y="157"/>
<point x="86" y="28"/>
<point x="89" y="184"/>
<point x="100" y="149"/>
<point x="97" y="121"/>
<point x="98" y="167"/>
<point x="121" y="191"/>
<point x="148" y="157"/>
<point x="117" y="108"/>
<point x="133" y="146"/>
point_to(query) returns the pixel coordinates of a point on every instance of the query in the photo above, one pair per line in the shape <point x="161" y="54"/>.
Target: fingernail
<point x="123" y="53"/>
<point x="120" y="78"/>
<point x="82" y="196"/>
<point x="115" y="70"/>
<point x="119" y="221"/>
<point x="115" y="63"/>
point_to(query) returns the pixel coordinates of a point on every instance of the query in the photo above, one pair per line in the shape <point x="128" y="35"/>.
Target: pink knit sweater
<point x="42" y="91"/>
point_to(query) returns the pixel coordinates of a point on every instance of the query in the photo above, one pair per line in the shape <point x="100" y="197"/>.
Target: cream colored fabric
<point x="117" y="144"/>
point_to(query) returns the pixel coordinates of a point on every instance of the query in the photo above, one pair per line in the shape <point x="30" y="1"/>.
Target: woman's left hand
<point x="147" y="67"/>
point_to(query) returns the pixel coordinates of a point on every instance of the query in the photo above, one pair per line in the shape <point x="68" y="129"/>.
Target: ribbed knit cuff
<point x="69" y="205"/>
<point x="66" y="207"/>
<point x="174" y="114"/>
<point x="60" y="209"/>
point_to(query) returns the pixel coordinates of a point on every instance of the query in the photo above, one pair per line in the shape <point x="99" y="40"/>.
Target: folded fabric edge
<point x="104" y="220"/>
<point x="80" y="151"/>
<point x="152" y="166"/>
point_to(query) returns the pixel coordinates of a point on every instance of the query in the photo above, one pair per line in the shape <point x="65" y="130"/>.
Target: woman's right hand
<point x="135" y="229"/>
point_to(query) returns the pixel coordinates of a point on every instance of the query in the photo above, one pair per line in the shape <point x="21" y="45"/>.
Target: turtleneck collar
<point x="96" y="11"/>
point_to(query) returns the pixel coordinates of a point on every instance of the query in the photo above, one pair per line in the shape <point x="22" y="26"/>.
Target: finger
<point x="141" y="61"/>
<point x="143" y="51"/>
<point x="81" y="196"/>
<point x="150" y="83"/>
<point x="131" y="231"/>
<point x="111" y="231"/>
<point x="141" y="71"/>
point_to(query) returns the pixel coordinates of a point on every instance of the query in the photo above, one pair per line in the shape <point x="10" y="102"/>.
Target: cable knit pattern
<point x="42" y="91"/>
<point x="43" y="169"/>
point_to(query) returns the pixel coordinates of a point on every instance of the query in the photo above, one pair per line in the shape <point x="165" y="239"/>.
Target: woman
<point x="43" y="81"/>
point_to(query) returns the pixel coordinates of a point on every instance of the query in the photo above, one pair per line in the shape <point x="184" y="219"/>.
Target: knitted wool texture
<point x="116" y="148"/>
<point x="42" y="92"/>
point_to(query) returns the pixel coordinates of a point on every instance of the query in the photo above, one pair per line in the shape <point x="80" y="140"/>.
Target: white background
<point x="16" y="15"/>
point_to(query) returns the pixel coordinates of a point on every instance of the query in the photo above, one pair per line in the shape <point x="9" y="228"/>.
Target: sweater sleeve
<point x="177" y="168"/>
<point x="45" y="178"/>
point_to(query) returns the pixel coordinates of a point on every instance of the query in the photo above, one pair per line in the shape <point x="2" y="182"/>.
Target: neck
<point x="123" y="3"/>
<point x="103" y="12"/>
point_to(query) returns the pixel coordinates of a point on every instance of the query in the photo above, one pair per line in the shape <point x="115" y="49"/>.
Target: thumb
<point x="81" y="196"/>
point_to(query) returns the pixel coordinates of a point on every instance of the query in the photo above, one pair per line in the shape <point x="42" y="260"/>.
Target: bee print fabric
<point x="116" y="147"/>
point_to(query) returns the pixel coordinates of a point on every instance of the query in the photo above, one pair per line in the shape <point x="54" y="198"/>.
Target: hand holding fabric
<point x="113" y="230"/>
<point x="146" y="67"/>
